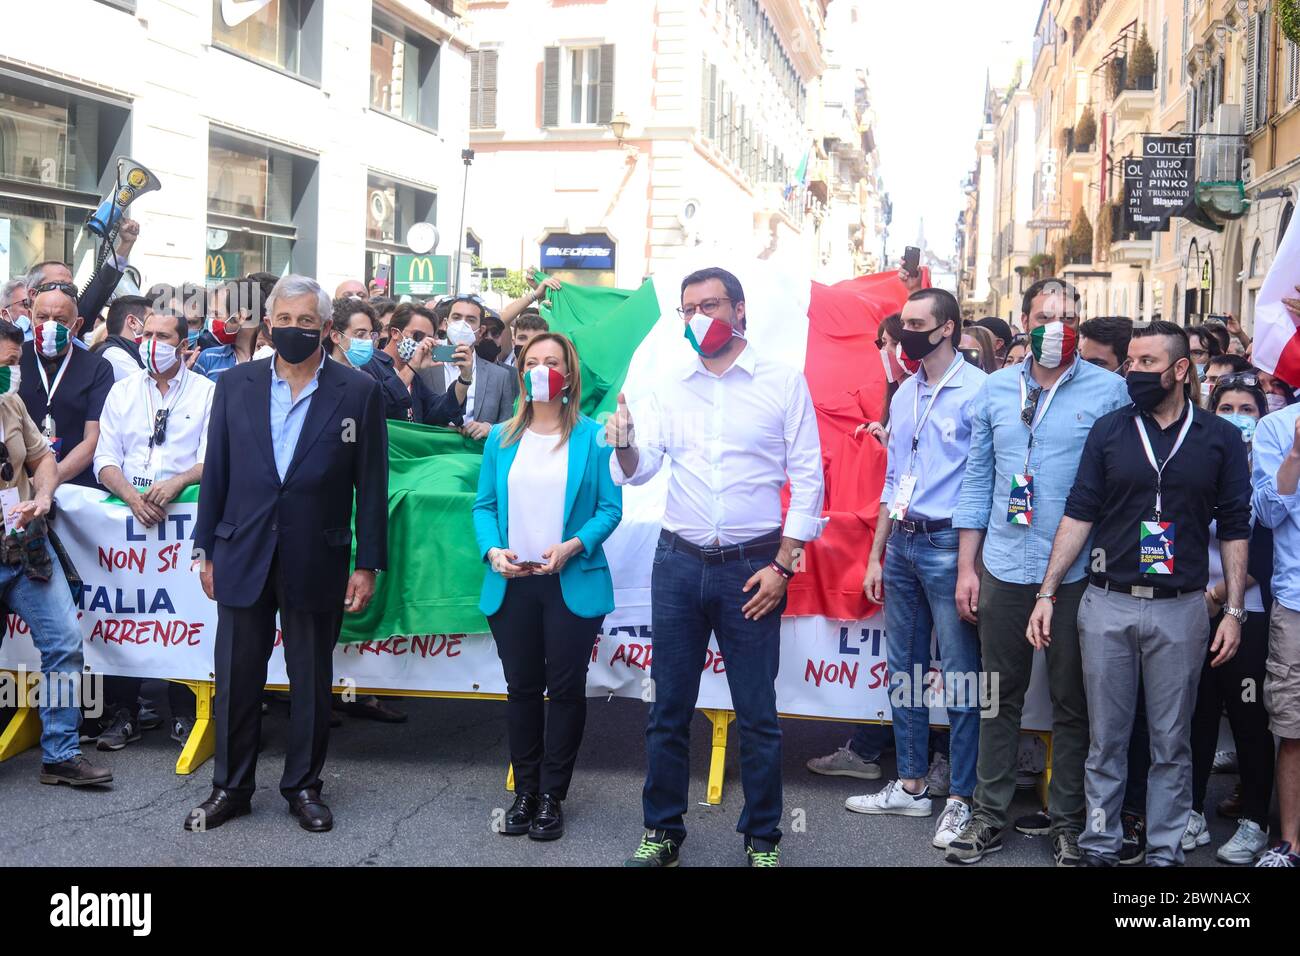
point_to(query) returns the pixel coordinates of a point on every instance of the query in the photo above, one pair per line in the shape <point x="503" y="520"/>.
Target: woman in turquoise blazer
<point x="546" y="503"/>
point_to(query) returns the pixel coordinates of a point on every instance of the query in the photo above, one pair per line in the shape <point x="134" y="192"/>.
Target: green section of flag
<point x="434" y="570"/>
<point x="189" y="494"/>
<point x="606" y="326"/>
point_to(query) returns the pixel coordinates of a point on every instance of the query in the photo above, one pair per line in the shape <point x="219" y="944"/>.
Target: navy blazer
<point x="246" y="515"/>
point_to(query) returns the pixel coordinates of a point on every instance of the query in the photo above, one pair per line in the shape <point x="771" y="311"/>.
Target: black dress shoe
<point x="312" y="814"/>
<point x="519" y="818"/>
<point x="548" y="824"/>
<point x="220" y="806"/>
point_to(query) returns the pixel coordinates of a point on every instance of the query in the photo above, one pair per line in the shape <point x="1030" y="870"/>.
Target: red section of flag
<point x="1288" y="363"/>
<point x="847" y="381"/>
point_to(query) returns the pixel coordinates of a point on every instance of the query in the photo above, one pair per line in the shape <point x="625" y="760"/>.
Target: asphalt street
<point x="424" y="793"/>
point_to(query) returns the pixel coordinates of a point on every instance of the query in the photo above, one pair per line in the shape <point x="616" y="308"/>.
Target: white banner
<point x="144" y="614"/>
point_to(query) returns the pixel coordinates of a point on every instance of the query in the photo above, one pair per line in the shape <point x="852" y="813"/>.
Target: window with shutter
<point x="1252" y="67"/>
<point x="551" y="86"/>
<point x="475" y="58"/>
<point x="488" y="98"/>
<point x="1293" y="80"/>
<point x="605" y="98"/>
<point x="1163" y="63"/>
<point x="1262" y="107"/>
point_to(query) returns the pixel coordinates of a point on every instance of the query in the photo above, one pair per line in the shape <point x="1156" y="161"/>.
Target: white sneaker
<point x="1225" y="761"/>
<point x="952" y="822"/>
<point x="1197" y="832"/>
<point x="1245" y="844"/>
<point x="892" y="799"/>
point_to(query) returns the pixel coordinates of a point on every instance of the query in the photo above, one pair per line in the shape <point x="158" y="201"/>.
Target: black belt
<point x="769" y="544"/>
<point x="1147" y="592"/>
<point x="912" y="527"/>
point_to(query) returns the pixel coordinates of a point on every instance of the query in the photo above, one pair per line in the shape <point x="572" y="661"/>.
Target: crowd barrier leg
<point x="202" y="741"/>
<point x="718" y="761"/>
<point x="24" y="730"/>
<point x="510" y="778"/>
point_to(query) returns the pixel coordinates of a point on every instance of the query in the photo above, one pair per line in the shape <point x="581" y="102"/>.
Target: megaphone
<point x="133" y="180"/>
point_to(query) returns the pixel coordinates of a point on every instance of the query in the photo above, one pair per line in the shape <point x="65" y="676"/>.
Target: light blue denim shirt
<point x="943" y="442"/>
<point x="1017" y="553"/>
<point x="1273" y="439"/>
<point x="288" y="415"/>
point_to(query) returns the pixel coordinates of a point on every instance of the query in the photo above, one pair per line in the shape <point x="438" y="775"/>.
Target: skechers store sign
<point x="564" y="252"/>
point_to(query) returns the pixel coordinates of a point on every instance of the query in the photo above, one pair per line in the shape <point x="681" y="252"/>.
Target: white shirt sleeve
<point x="647" y="434"/>
<point x="803" y="464"/>
<point x="123" y="364"/>
<point x="203" y="435"/>
<point x="111" y="448"/>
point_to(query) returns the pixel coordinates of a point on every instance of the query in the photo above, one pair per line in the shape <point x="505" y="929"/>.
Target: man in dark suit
<point x="291" y="439"/>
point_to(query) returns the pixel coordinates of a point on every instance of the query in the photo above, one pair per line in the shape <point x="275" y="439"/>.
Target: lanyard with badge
<point x="142" y="478"/>
<point x="48" y="426"/>
<point x="907" y="482"/>
<point x="1020" y="503"/>
<point x="1156" y="538"/>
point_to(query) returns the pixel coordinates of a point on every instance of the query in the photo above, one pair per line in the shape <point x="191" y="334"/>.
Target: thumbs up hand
<point x="618" y="427"/>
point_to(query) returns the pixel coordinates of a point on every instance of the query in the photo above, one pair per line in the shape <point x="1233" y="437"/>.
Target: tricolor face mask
<point x="545" y="383"/>
<point x="10" y="378"/>
<point x="52" y="338"/>
<point x="709" y="335"/>
<point x="1053" y="344"/>
<point x="910" y="365"/>
<point x="158" y="357"/>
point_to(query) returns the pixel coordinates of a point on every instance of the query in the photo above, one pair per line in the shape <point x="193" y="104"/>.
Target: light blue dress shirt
<point x="288" y="415"/>
<point x="944" y="441"/>
<point x="1017" y="553"/>
<point x="1273" y="439"/>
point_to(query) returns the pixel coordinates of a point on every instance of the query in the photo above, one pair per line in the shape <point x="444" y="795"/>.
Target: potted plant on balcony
<point x="1078" y="247"/>
<point x="1085" y="131"/>
<point x="1142" y="65"/>
<point x="1288" y="17"/>
<point x="1043" y="264"/>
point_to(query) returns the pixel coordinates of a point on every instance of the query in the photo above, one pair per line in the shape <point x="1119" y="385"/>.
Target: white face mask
<point x="459" y="333"/>
<point x="158" y="357"/>
<point x="264" y="352"/>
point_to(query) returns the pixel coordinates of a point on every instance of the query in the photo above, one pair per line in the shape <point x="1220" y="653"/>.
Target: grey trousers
<point x="1165" y="641"/>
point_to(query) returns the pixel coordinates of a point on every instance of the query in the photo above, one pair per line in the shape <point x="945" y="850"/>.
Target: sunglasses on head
<point x="67" y="288"/>
<point x="1242" y="379"/>
<point x="159" y="427"/>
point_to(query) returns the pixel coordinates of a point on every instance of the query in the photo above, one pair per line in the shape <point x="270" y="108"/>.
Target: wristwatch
<point x="1238" y="612"/>
<point x="1050" y="595"/>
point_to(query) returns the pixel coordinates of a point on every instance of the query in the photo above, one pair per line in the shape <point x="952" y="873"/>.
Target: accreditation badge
<point x="1020" y="504"/>
<point x="142" y="477"/>
<point x="9" y="500"/>
<point x="903" y="497"/>
<point x="1156" y="547"/>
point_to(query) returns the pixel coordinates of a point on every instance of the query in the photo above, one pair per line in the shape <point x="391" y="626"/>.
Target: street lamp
<point x="620" y="124"/>
<point x="467" y="157"/>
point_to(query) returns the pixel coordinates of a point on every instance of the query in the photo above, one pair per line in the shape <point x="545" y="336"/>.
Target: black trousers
<point x="1236" y="686"/>
<point x="544" y="649"/>
<point x="245" y="639"/>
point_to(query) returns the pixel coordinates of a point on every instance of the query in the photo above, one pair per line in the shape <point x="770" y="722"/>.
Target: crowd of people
<point x="1057" y="487"/>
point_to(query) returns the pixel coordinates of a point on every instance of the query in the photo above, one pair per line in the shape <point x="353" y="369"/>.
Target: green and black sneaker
<point x="761" y="853"/>
<point x="657" y="849"/>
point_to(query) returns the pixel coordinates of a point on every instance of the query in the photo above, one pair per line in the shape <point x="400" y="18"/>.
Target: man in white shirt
<point x="153" y="434"/>
<point x="737" y="426"/>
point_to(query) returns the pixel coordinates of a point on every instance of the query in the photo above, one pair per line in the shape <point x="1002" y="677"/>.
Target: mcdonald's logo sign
<point x="223" y="265"/>
<point x="421" y="275"/>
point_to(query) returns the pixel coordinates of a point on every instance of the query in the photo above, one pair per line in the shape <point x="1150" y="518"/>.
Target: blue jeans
<point x="871" y="740"/>
<point x="920" y="579"/>
<point x="690" y="599"/>
<point x="48" y="610"/>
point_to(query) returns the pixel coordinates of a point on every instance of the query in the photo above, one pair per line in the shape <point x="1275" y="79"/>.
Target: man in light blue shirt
<point x="930" y="432"/>
<point x="1277" y="505"/>
<point x="1031" y="422"/>
<point x="288" y="414"/>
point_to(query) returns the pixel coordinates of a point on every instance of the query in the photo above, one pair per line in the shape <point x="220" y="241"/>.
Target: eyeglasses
<point x="1243" y="379"/>
<point x="1031" y="406"/>
<point x="67" y="288"/>
<point x="708" y="307"/>
<point x="6" y="467"/>
<point x="159" y="427"/>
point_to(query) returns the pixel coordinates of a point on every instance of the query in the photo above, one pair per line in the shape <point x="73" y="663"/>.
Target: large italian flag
<point x="1277" y="332"/>
<point x="631" y="341"/>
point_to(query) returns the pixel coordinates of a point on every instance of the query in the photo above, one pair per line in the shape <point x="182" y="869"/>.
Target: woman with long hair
<point x="546" y="503"/>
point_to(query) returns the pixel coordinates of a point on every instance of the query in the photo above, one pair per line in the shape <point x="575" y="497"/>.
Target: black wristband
<point x="465" y="383"/>
<point x="781" y="569"/>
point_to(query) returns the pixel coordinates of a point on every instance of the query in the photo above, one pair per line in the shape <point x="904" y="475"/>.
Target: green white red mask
<point x="1053" y="344"/>
<point x="52" y="338"/>
<point x="707" y="335"/>
<point x="10" y="377"/>
<point x="542" y="383"/>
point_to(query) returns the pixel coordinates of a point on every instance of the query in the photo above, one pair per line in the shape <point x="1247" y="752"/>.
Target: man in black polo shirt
<point x="1153" y="476"/>
<point x="64" y="387"/>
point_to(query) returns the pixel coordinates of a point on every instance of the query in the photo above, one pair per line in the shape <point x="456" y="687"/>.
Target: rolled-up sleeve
<point x="976" y="499"/>
<point x="1272" y="442"/>
<point x="1233" y="509"/>
<point x="1084" y="502"/>
<point x="803" y="464"/>
<point x="648" y="435"/>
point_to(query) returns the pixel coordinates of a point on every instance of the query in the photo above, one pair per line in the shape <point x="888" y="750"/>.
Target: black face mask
<point x="295" y="345"/>
<point x="519" y="350"/>
<point x="1147" y="389"/>
<point x="917" y="345"/>
<point x="382" y="343"/>
<point x="488" y="350"/>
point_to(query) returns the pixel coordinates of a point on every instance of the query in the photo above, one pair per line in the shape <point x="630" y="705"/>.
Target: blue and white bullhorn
<point x="133" y="180"/>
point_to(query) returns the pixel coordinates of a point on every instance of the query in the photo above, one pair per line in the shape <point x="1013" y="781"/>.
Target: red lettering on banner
<point x="879" y="675"/>
<point x="633" y="655"/>
<point x="594" y="648"/>
<point x="116" y="559"/>
<point x="424" y="645"/>
<point x="836" y="672"/>
<point x="713" y="661"/>
<point x="167" y="633"/>
<point x="167" y="558"/>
